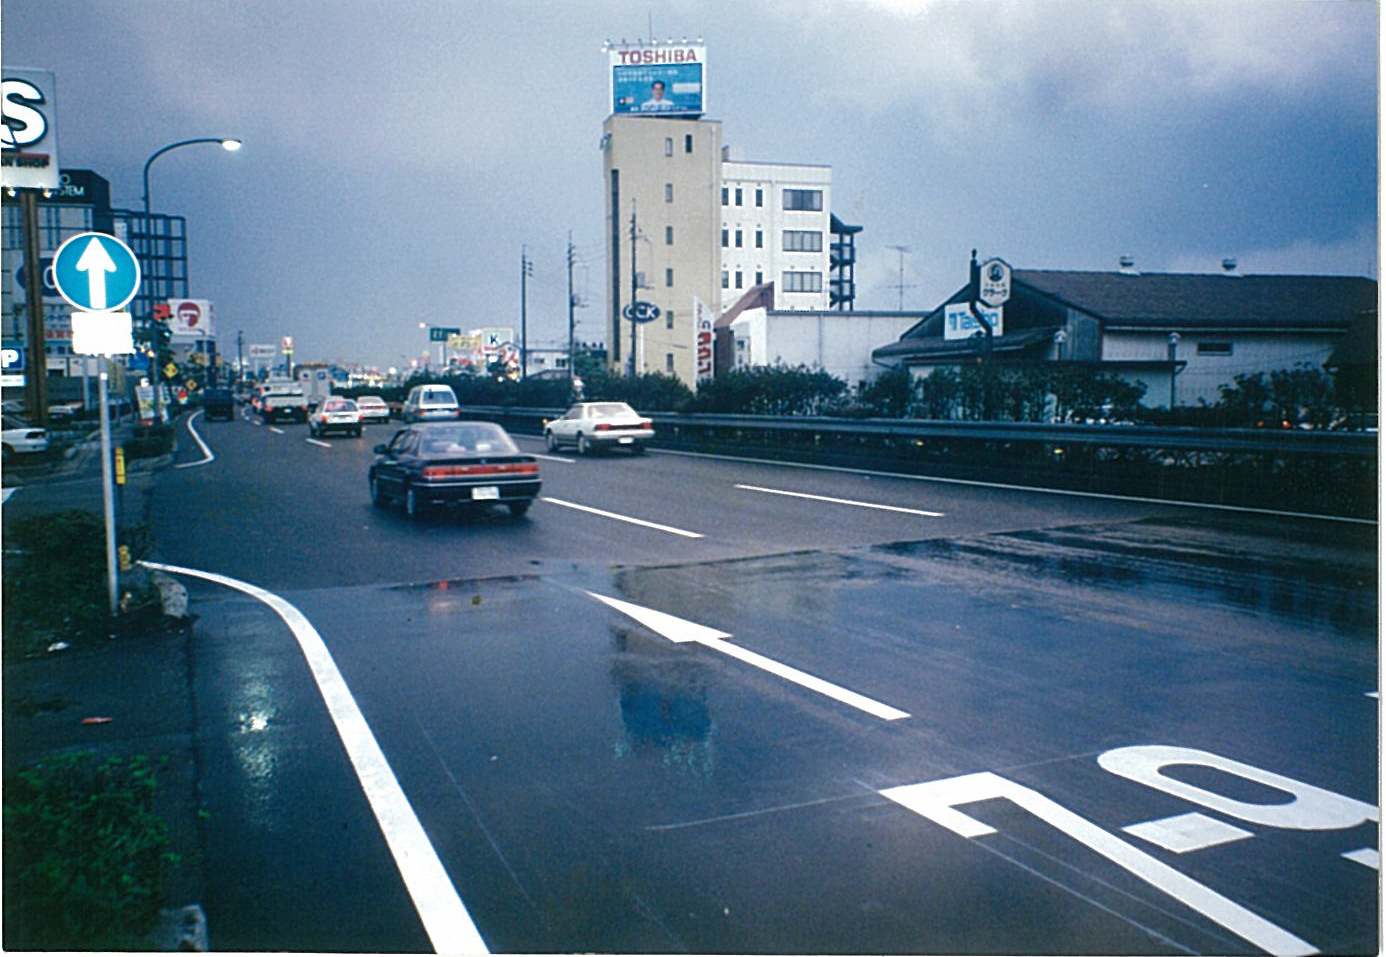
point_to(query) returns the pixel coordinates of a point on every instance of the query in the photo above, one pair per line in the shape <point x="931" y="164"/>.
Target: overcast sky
<point x="399" y="153"/>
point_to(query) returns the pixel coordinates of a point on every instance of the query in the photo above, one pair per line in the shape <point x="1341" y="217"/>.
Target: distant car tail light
<point x="601" y="426"/>
<point x="469" y="471"/>
<point x="644" y="423"/>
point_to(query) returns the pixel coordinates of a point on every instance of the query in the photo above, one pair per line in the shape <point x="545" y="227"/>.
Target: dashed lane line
<point x="623" y="518"/>
<point x="841" y="501"/>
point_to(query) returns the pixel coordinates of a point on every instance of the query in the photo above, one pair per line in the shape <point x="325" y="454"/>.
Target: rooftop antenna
<point x="900" y="285"/>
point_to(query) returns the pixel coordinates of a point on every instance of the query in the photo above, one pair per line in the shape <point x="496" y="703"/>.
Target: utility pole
<point x="634" y="287"/>
<point x="900" y="284"/>
<point x="526" y="270"/>
<point x="240" y="357"/>
<point x="36" y="362"/>
<point x="572" y="303"/>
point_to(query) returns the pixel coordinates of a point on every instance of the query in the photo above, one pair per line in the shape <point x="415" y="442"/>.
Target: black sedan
<point x="454" y="463"/>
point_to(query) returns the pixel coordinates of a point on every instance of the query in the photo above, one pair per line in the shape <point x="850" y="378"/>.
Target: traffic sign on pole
<point x="96" y="272"/>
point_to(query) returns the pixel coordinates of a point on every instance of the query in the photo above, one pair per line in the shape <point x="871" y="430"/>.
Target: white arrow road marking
<point x="444" y="916"/>
<point x="841" y="501"/>
<point x="96" y="262"/>
<point x="679" y="630"/>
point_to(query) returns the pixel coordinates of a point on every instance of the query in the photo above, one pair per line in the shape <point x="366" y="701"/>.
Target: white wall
<point x="840" y="343"/>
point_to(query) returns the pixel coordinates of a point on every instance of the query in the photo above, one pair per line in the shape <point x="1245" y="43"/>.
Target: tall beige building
<point x="664" y="185"/>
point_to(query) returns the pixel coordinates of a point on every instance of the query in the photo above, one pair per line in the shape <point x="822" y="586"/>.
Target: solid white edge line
<point x="6" y="493"/>
<point x="622" y="518"/>
<point x="840" y="501"/>
<point x="206" y="452"/>
<point x="449" y="927"/>
<point x="1073" y="493"/>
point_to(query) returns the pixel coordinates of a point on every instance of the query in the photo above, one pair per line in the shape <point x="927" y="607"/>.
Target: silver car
<point x="590" y="426"/>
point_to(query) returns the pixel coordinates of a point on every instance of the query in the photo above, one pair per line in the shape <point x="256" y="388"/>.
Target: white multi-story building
<point x="776" y="227"/>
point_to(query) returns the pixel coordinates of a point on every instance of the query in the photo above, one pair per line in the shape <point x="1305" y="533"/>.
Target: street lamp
<point x="228" y="144"/>
<point x="1173" y="340"/>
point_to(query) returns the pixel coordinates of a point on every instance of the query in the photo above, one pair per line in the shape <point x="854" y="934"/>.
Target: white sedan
<point x="20" y="438"/>
<point x="589" y="426"/>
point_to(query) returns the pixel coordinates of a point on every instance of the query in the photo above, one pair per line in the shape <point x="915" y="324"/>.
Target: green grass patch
<point x="84" y="855"/>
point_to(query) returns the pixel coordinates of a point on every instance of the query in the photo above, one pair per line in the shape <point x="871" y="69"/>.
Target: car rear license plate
<point x="484" y="493"/>
<point x="625" y="439"/>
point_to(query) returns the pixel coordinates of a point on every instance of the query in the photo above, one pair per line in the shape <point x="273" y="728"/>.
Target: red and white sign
<point x="286" y="345"/>
<point x="703" y="339"/>
<point x="190" y="318"/>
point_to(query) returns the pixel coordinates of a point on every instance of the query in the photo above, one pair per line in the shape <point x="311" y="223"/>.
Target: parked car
<point x="373" y="409"/>
<point x="218" y="404"/>
<point x="589" y="426"/>
<point x="455" y="463"/>
<point x="427" y="403"/>
<point x="21" y="438"/>
<point x="335" y="414"/>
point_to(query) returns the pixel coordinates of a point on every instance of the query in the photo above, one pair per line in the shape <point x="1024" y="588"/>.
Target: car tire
<point x="518" y="509"/>
<point x="377" y="493"/>
<point x="413" y="503"/>
<point x="584" y="447"/>
<point x="551" y="441"/>
<point x="356" y="432"/>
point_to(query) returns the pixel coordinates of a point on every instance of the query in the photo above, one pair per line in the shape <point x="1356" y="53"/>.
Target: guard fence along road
<point x="1292" y="470"/>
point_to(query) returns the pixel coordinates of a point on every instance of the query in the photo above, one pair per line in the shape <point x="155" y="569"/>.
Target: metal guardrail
<point x="1298" y="470"/>
<point x="1270" y="441"/>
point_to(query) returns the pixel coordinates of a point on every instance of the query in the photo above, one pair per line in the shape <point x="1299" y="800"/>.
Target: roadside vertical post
<point x="36" y="365"/>
<point x="108" y="494"/>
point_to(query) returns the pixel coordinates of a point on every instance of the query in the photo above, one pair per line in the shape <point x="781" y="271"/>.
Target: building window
<point x="668" y="362"/>
<point x="668" y="277"/>
<point x="803" y="241"/>
<point x="668" y="235"/>
<point x="803" y="282"/>
<point x="669" y="319"/>
<point x="760" y="239"/>
<point x="809" y="200"/>
<point x="760" y="277"/>
<point x="724" y="238"/>
<point x="738" y="239"/>
<point x="668" y="146"/>
<point x="725" y="193"/>
<point x="668" y="192"/>
<point x="760" y="197"/>
<point x="726" y="280"/>
<point x="738" y="279"/>
<point x="688" y="142"/>
<point x="738" y="196"/>
<point x="1215" y="348"/>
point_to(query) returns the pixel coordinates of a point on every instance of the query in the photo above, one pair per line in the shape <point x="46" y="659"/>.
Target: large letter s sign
<point x="24" y="125"/>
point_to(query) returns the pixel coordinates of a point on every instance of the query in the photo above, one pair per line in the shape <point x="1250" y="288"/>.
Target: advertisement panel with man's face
<point x="658" y="80"/>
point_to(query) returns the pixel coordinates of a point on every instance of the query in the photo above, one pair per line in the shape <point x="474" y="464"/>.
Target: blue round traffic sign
<point x="96" y="272"/>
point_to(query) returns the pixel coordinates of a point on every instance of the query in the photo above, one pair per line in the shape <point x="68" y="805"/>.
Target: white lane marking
<point x="677" y="629"/>
<point x="552" y="458"/>
<point x="840" y="501"/>
<point x="623" y="518"/>
<point x="1366" y="856"/>
<point x="1187" y="832"/>
<point x="276" y="431"/>
<point x="936" y="801"/>
<point x="1374" y="694"/>
<point x="450" y="928"/>
<point x="1143" y="500"/>
<point x="207" y="455"/>
<point x="319" y="443"/>
<point x="6" y="493"/>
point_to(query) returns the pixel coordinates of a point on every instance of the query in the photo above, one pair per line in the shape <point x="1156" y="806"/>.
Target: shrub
<point x="84" y="855"/>
<point x="771" y="390"/>
<point x="56" y="584"/>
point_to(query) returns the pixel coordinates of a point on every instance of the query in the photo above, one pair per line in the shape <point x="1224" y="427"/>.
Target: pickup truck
<point x="286" y="403"/>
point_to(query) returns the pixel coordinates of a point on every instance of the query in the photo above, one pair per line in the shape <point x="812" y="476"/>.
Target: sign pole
<point x="108" y="492"/>
<point x="36" y="363"/>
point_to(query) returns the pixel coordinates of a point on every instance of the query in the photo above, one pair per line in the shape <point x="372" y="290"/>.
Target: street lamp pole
<point x="226" y="143"/>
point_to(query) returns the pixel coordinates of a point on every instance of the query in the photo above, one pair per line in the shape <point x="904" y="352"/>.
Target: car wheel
<point x="377" y="493"/>
<point x="583" y="446"/>
<point x="356" y="431"/>
<point x="518" y="509"/>
<point x="413" y="503"/>
<point x="549" y="439"/>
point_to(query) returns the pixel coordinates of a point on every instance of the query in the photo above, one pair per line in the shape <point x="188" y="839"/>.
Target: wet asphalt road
<point x="589" y="784"/>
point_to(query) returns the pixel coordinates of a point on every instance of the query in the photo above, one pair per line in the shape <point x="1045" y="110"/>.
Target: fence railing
<point x="1315" y="471"/>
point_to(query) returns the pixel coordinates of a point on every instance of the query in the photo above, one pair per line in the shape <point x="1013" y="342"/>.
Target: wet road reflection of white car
<point x="590" y="426"/>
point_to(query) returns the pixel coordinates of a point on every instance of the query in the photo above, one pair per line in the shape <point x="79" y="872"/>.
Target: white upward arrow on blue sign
<point x="96" y="272"/>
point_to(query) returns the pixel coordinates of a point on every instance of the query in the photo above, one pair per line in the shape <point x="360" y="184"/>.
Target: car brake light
<point x="603" y="427"/>
<point x="646" y="424"/>
<point x="467" y="471"/>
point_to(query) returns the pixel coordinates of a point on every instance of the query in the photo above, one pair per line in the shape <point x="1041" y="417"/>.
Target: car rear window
<point x="469" y="438"/>
<point x="437" y="395"/>
<point x="612" y="408"/>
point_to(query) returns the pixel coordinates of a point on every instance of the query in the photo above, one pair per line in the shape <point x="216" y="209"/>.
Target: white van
<point x="430" y="403"/>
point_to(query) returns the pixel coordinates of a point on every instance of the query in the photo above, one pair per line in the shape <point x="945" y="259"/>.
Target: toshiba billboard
<point x="659" y="79"/>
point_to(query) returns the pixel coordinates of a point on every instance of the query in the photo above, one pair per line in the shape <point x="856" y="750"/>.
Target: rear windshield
<point x="460" y="439"/>
<point x="435" y="395"/>
<point x="612" y="408"/>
